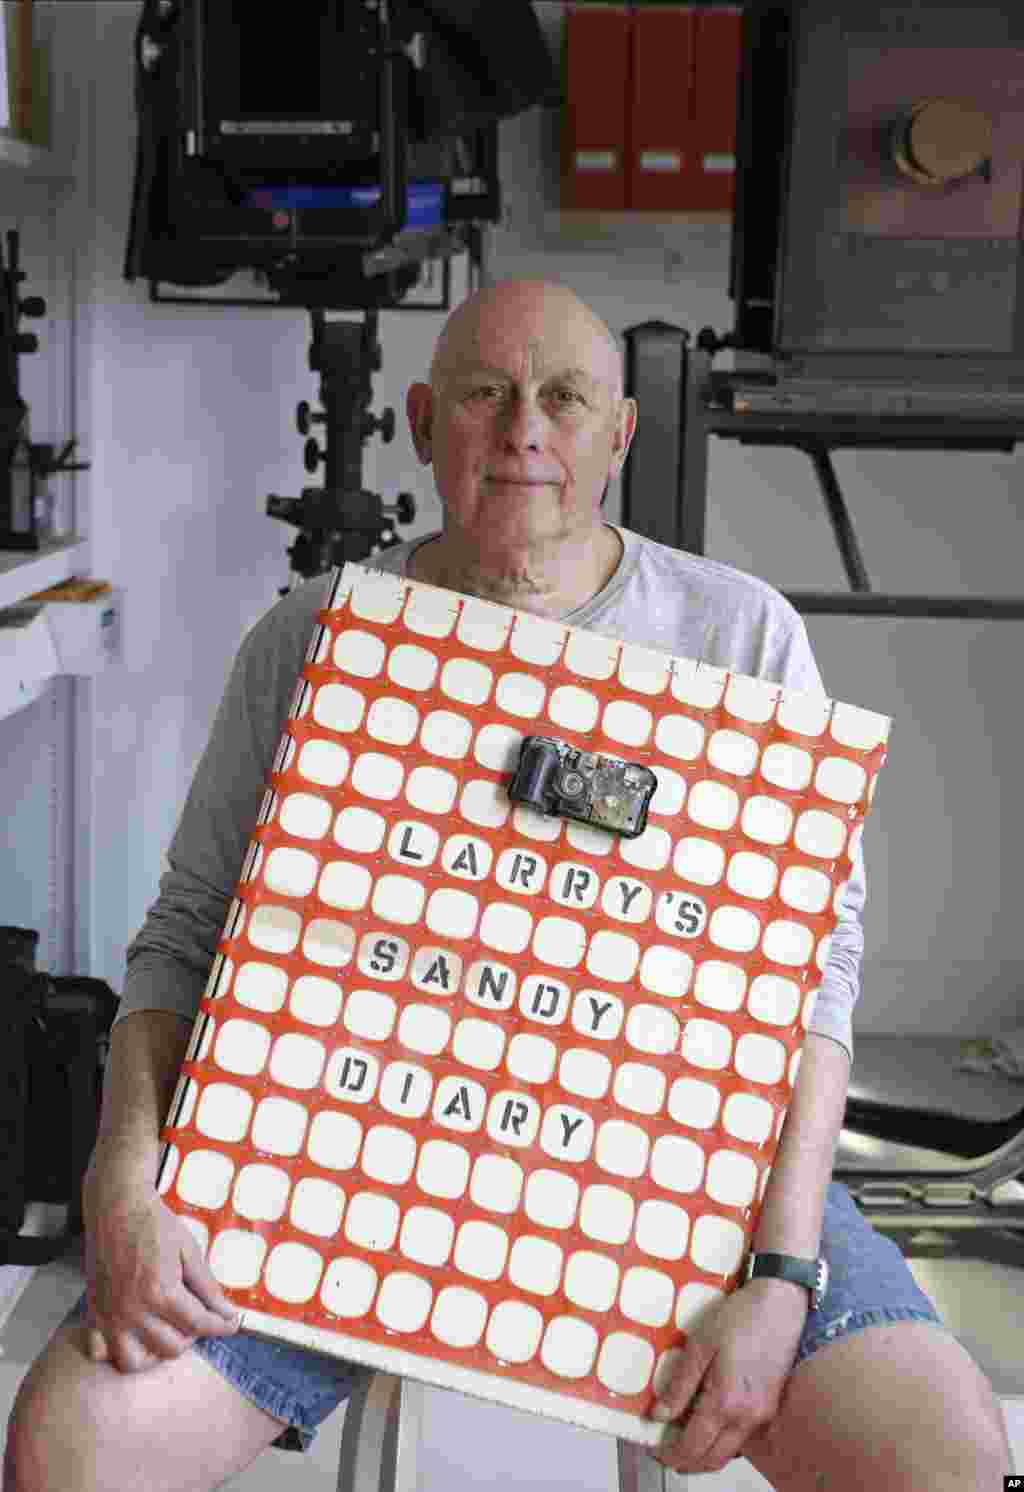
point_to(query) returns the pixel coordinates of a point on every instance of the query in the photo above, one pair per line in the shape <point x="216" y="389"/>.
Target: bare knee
<point x="42" y="1421"/>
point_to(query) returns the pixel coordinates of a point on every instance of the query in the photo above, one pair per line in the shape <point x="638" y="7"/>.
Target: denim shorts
<point x="870" y="1284"/>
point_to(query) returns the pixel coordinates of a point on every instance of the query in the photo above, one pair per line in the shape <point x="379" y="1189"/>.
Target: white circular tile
<point x="359" y="653"/>
<point x="551" y="1198"/>
<point x="458" y="1317"/>
<point x="520" y="694"/>
<point x="639" y="1087"/>
<point x="392" y="720"/>
<point x="706" y="1043"/>
<point x="862" y="730"/>
<point x="348" y="1287"/>
<point x="697" y="684"/>
<point x="626" y="722"/>
<point x="788" y="767"/>
<point x="613" y="956"/>
<point x="731" y="1178"/>
<point x="649" y="851"/>
<point x="804" y="714"/>
<point x="761" y="1059"/>
<point x="323" y="762"/>
<point x="505" y="927"/>
<point x="317" y="1206"/>
<point x="788" y="942"/>
<point x="559" y="941"/>
<point x="734" y="928"/>
<point x="713" y="805"/>
<point x="750" y="699"/>
<point x="718" y="1245"/>
<point x="731" y="751"/>
<point x="767" y="819"/>
<point x="643" y="669"/>
<point x="485" y="803"/>
<point x="431" y="789"/>
<point x="305" y="816"/>
<point x="591" y="1280"/>
<point x="748" y="1117"/>
<point x="484" y="625"/>
<point x="427" y="1235"/>
<point x="360" y="829"/>
<point x="290" y="872"/>
<point x="315" y="1000"/>
<point x="404" y="1301"/>
<point x="625" y="1363"/>
<point x="693" y="1102"/>
<point x="680" y="735"/>
<point x="446" y="734"/>
<point x="377" y="776"/>
<point x="839" y="778"/>
<point x="774" y="1000"/>
<point x="430" y="612"/>
<point x="820" y="834"/>
<point x="497" y="747"/>
<point x="662" y="1229"/>
<point x="338" y="707"/>
<point x="466" y="680"/>
<point x="591" y="656"/>
<point x="669" y="794"/>
<point x="607" y="1214"/>
<point x="699" y="860"/>
<point x="666" y="971"/>
<point x="514" y="1331"/>
<point x="377" y="598"/>
<point x="720" y="985"/>
<point x="805" y="890"/>
<point x="536" y="640"/>
<point x="345" y="885"/>
<point x="573" y="708"/>
<point x="411" y="667"/>
<point x="647" y="1295"/>
<point x="569" y="1347"/>
<point x="293" y="1272"/>
<point x="451" y="913"/>
<point x="752" y="875"/>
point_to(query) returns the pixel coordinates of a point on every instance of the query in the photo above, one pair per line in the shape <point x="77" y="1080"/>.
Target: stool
<point x="380" y="1443"/>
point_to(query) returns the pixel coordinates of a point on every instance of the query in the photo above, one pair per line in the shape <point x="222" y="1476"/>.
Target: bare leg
<point x="178" y="1427"/>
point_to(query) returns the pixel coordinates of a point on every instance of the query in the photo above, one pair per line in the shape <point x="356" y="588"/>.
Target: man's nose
<point x="525" y="424"/>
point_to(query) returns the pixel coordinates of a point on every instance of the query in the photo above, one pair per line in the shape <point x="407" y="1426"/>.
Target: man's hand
<point x="150" y="1290"/>
<point x="729" y="1382"/>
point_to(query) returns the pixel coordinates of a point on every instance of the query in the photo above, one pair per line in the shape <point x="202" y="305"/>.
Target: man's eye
<point x="485" y="391"/>
<point x="568" y="396"/>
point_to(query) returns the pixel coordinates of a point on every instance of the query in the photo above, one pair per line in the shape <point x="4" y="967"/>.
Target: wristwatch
<point x="812" y="1273"/>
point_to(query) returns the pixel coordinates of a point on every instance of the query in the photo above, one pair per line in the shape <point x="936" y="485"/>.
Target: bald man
<point x="149" y="1382"/>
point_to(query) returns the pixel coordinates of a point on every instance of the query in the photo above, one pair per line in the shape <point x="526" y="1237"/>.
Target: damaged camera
<point x="605" y="791"/>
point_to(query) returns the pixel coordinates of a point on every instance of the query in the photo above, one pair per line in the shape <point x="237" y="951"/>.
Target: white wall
<point x="192" y="424"/>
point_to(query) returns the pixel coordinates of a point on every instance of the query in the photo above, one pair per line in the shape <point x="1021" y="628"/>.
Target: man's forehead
<point x="578" y="353"/>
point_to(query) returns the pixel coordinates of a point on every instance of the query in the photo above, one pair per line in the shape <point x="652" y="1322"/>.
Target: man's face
<point x="523" y="424"/>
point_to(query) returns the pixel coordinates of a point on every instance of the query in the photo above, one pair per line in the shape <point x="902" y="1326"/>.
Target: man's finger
<point x="97" y="1346"/>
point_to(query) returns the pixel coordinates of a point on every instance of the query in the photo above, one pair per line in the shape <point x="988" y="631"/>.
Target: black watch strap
<point x="811" y="1273"/>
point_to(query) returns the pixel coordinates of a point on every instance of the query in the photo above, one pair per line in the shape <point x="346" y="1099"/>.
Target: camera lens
<point x="571" y="785"/>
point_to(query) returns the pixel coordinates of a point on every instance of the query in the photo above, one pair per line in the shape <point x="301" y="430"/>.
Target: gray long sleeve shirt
<point x="658" y="598"/>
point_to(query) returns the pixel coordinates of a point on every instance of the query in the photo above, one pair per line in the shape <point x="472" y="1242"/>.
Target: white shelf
<point x="22" y="574"/>
<point x="22" y="160"/>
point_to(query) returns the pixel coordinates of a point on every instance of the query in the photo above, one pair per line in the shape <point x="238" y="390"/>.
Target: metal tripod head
<point x="341" y="520"/>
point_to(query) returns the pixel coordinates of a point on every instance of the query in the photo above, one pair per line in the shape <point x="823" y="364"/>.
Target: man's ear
<point x="625" y="428"/>
<point x="419" y="409"/>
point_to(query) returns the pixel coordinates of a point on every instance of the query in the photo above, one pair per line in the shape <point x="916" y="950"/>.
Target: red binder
<point x="595" y="123"/>
<point x="663" y="162"/>
<point x="719" y="38"/>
